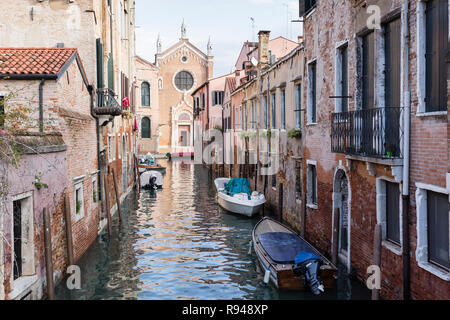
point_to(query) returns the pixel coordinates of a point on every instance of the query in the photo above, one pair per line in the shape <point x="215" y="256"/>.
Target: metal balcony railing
<point x="376" y="133"/>
<point x="106" y="103"/>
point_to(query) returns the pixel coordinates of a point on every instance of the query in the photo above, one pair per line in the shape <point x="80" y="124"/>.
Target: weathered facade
<point x="102" y="32"/>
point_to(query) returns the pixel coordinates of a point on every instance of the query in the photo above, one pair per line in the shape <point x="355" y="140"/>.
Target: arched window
<point x="145" y="94"/>
<point x="146" y="131"/>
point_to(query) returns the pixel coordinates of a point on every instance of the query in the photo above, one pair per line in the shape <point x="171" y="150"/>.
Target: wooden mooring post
<point x="108" y="213"/>
<point x="119" y="210"/>
<point x="377" y="257"/>
<point x="69" y="231"/>
<point x="138" y="176"/>
<point x="48" y="255"/>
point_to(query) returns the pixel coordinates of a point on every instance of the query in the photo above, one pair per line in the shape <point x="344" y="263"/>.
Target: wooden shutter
<point x="393" y="212"/>
<point x="111" y="72"/>
<point x="368" y="72"/>
<point x="438" y="228"/>
<point x="436" y="51"/>
<point x="100" y="64"/>
<point x="393" y="62"/>
<point x="314" y="93"/>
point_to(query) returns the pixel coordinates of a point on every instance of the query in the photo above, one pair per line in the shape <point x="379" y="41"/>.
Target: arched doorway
<point x="341" y="202"/>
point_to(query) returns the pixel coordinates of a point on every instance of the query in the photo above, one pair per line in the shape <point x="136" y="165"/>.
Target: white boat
<point x="238" y="203"/>
<point x="151" y="180"/>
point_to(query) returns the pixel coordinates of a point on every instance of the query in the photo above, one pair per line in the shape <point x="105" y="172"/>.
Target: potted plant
<point x="295" y="133"/>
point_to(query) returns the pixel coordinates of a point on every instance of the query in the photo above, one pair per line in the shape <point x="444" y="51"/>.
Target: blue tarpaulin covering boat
<point x="237" y="186"/>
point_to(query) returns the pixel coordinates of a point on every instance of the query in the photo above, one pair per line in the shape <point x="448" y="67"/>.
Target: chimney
<point x="263" y="48"/>
<point x="300" y="39"/>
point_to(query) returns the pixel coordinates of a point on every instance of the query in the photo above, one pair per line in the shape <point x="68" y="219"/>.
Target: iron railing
<point x="376" y="133"/>
<point x="106" y="103"/>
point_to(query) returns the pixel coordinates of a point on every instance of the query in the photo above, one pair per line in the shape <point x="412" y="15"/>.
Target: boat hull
<point x="282" y="275"/>
<point x="240" y="208"/>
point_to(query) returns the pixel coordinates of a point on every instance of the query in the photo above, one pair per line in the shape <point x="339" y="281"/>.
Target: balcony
<point x="372" y="133"/>
<point x="107" y="105"/>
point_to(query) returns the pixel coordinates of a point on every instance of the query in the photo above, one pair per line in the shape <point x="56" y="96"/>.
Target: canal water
<point x="177" y="243"/>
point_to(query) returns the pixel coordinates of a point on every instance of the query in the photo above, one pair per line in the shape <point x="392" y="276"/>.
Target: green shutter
<point x="100" y="64"/>
<point x="110" y="72"/>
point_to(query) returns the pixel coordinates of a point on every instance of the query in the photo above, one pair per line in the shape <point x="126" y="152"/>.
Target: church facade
<point x="180" y="70"/>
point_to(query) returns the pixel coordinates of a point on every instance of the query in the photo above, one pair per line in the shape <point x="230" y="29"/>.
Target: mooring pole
<point x="69" y="231"/>
<point x="335" y="240"/>
<point x="119" y="210"/>
<point x="377" y="257"/>
<point x="138" y="176"/>
<point x="303" y="216"/>
<point x="108" y="213"/>
<point x="48" y="254"/>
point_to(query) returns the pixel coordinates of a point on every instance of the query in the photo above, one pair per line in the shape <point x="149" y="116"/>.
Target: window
<point x="266" y="119"/>
<point x="432" y="250"/>
<point x="217" y="97"/>
<point x="146" y="132"/>
<point x="273" y="104"/>
<point x="438" y="229"/>
<point x="274" y="181"/>
<point x="245" y="117"/>
<point x="298" y="180"/>
<point x="184" y="81"/>
<point x="368" y="75"/>
<point x="298" y="106"/>
<point x="145" y="94"/>
<point x="436" y="17"/>
<point x="392" y="52"/>
<point x="94" y="190"/>
<point x="312" y="184"/>
<point x="306" y="6"/>
<point x="79" y="202"/>
<point x="393" y="212"/>
<point x="2" y="111"/>
<point x="111" y="147"/>
<point x="342" y="79"/>
<point x="283" y="109"/>
<point x="23" y="236"/>
<point x="312" y="92"/>
<point x="203" y="101"/>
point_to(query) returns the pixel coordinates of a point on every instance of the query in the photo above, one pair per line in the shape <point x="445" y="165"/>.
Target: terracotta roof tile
<point x="32" y="61"/>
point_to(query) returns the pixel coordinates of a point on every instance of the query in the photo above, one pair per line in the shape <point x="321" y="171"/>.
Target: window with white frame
<point x="312" y="92"/>
<point x="94" y="189"/>
<point x="342" y="78"/>
<point x="389" y="213"/>
<point x="23" y="236"/>
<point x="79" y="202"/>
<point x="433" y="237"/>
<point x="298" y="106"/>
<point x="266" y="118"/>
<point x="273" y="115"/>
<point x="312" y="184"/>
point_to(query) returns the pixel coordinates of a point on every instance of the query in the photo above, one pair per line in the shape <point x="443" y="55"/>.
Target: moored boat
<point x="239" y="200"/>
<point x="151" y="180"/>
<point x="289" y="261"/>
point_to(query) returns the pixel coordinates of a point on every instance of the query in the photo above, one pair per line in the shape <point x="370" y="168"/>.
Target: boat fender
<point x="250" y="247"/>
<point x="267" y="276"/>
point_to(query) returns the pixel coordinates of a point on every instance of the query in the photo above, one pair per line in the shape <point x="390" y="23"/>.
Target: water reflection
<point x="176" y="243"/>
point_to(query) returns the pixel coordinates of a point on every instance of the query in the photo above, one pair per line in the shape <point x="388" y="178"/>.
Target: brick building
<point x="102" y="32"/>
<point x="59" y="150"/>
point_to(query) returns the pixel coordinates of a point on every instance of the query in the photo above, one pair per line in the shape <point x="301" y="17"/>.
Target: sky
<point x="227" y="22"/>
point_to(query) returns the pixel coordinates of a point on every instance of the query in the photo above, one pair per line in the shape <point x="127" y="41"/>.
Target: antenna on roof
<point x="253" y="28"/>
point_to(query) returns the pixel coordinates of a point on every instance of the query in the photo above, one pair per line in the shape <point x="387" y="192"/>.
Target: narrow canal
<point x="178" y="244"/>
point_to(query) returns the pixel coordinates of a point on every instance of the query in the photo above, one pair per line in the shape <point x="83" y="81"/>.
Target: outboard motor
<point x="307" y="265"/>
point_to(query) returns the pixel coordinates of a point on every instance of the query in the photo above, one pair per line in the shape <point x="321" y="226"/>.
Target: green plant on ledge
<point x="127" y="114"/>
<point x="247" y="134"/>
<point x="218" y="128"/>
<point x="267" y="133"/>
<point x="37" y="182"/>
<point x="295" y="133"/>
<point x="78" y="206"/>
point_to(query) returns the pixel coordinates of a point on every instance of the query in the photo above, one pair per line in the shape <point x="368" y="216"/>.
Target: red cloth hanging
<point x="125" y="103"/>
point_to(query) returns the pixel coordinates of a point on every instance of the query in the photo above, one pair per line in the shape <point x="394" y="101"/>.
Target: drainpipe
<point x="406" y="151"/>
<point x="97" y="127"/>
<point x="41" y="106"/>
